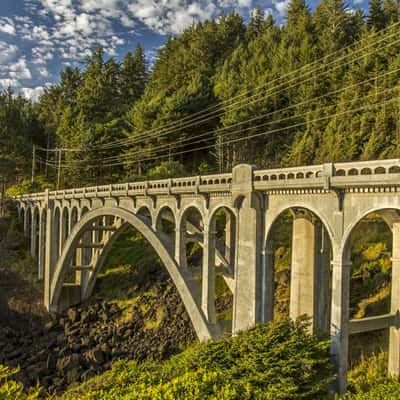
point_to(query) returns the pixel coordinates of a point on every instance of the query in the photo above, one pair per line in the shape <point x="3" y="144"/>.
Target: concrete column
<point x="208" y="274"/>
<point x="302" y="273"/>
<point x="394" y="338"/>
<point x="230" y="232"/>
<point x="247" y="307"/>
<point x="42" y="245"/>
<point x="247" y="304"/>
<point x="322" y="309"/>
<point x="269" y="284"/>
<point x="51" y="253"/>
<point x="26" y="222"/>
<point x="63" y="231"/>
<point x="33" y="234"/>
<point x="180" y="246"/>
<point x="340" y="318"/>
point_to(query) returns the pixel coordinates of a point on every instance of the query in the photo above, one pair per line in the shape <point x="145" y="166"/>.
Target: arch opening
<point x="166" y="226"/>
<point x="223" y="232"/>
<point x="192" y="238"/>
<point x="298" y="269"/>
<point x="370" y="246"/>
<point x="145" y="214"/>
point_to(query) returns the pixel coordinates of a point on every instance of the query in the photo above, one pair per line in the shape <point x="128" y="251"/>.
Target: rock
<point x="73" y="375"/>
<point x="95" y="356"/>
<point x="73" y="315"/>
<point x="68" y="363"/>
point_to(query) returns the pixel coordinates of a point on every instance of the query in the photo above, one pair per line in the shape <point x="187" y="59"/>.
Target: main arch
<point x="182" y="278"/>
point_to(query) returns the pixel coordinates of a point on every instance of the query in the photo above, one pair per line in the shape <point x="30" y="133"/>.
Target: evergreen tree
<point x="376" y="17"/>
<point x="132" y="77"/>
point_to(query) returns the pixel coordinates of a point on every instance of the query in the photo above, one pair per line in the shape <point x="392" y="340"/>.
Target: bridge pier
<point x="208" y="273"/>
<point x="309" y="288"/>
<point x="33" y="234"/>
<point x="42" y="244"/>
<point x="341" y="267"/>
<point x="394" y="333"/>
<point x="51" y="251"/>
<point x="248" y="276"/>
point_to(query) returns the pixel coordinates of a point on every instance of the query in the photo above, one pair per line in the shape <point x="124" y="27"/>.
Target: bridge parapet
<point x="339" y="175"/>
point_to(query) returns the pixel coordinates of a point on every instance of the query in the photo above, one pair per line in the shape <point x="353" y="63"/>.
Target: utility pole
<point x="59" y="169"/>
<point x="33" y="162"/>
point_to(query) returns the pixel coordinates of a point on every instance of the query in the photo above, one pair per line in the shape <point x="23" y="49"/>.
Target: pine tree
<point x="376" y="17"/>
<point x="132" y="77"/>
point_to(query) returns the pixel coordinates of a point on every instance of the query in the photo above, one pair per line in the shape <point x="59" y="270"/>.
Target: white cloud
<point x="62" y="8"/>
<point x="172" y="16"/>
<point x="19" y="70"/>
<point x="7" y="26"/>
<point x="7" y="82"/>
<point x="32" y="93"/>
<point x="7" y="52"/>
<point x="281" y="6"/>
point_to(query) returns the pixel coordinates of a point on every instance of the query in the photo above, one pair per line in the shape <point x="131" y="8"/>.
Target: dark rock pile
<point x="88" y="339"/>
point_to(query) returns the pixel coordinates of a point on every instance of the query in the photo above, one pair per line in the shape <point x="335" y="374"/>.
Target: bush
<point x="383" y="391"/>
<point x="12" y="390"/>
<point x="26" y="186"/>
<point x="272" y="361"/>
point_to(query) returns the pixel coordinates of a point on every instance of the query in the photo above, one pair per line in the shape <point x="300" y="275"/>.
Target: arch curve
<point x="182" y="278"/>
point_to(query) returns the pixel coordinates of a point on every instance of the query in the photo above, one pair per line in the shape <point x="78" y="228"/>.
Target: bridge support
<point x="42" y="243"/>
<point x="208" y="274"/>
<point x="309" y="289"/>
<point x="341" y="266"/>
<point x="247" y="304"/>
<point x="33" y="234"/>
<point x="394" y="338"/>
<point x="51" y="251"/>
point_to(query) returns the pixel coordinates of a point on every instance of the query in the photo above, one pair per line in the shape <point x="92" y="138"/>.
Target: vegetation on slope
<point x="272" y="361"/>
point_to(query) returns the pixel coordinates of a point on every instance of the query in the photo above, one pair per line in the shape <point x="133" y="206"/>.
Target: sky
<point x="39" y="38"/>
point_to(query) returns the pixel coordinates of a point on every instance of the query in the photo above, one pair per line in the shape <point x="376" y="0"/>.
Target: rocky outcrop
<point x="88" y="339"/>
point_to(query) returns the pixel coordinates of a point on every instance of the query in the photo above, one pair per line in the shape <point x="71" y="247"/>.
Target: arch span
<point x="185" y="283"/>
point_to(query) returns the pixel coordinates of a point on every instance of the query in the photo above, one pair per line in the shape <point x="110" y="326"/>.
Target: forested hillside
<point x="322" y="87"/>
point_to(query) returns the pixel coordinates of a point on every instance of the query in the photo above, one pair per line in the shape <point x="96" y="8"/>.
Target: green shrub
<point x="272" y="361"/>
<point x="12" y="390"/>
<point x="384" y="391"/>
<point x="27" y="186"/>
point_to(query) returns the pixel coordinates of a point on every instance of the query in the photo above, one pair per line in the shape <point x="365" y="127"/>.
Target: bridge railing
<point x="340" y="175"/>
<point x="309" y="176"/>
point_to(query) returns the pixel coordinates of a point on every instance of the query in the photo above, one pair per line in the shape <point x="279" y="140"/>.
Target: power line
<point x="205" y="135"/>
<point x="265" y="132"/>
<point x="193" y="121"/>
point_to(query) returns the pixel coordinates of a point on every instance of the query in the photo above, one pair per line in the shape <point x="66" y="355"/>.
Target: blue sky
<point x="39" y="38"/>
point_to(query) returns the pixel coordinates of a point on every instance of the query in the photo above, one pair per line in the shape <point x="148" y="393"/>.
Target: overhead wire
<point x="146" y="135"/>
<point x="277" y="130"/>
<point x="205" y="135"/>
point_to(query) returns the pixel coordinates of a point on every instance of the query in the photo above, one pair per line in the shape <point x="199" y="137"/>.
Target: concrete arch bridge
<point x="71" y="232"/>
